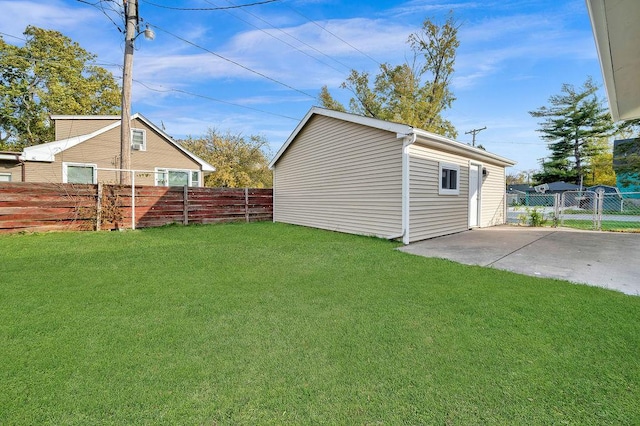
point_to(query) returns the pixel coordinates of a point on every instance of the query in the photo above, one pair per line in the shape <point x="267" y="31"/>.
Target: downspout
<point x="23" y="173"/>
<point x="407" y="142"/>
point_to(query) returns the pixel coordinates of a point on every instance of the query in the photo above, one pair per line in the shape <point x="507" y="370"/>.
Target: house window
<point x="449" y="179"/>
<point x="173" y="177"/>
<point x="79" y="173"/>
<point x="138" y="140"/>
<point x="5" y="177"/>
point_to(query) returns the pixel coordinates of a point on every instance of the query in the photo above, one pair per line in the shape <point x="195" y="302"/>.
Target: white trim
<point x="480" y="167"/>
<point x="65" y="178"/>
<point x="6" y="174"/>
<point x="143" y="146"/>
<point x="448" y="166"/>
<point x="158" y="170"/>
<point x="46" y="152"/>
<point x="406" y="187"/>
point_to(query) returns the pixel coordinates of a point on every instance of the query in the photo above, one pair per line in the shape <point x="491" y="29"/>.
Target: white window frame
<point x="87" y="165"/>
<point x="5" y="175"/>
<point x="448" y="191"/>
<point x="159" y="170"/>
<point x="143" y="147"/>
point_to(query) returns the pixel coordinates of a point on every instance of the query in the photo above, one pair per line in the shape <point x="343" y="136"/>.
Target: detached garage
<point x="361" y="175"/>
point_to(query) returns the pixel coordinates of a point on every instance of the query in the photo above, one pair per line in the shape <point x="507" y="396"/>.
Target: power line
<point x="336" y="36"/>
<point x="207" y="8"/>
<point x="287" y="34"/>
<point x="167" y="90"/>
<point x="233" y="62"/>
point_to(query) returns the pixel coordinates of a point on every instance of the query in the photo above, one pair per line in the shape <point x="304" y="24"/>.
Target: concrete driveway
<point x="604" y="259"/>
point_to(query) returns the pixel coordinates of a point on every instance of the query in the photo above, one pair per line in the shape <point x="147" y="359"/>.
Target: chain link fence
<point x="591" y="210"/>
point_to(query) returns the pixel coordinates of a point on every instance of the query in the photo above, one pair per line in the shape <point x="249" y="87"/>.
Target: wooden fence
<point x="37" y="207"/>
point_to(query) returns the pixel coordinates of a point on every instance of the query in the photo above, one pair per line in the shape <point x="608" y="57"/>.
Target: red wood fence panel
<point x="46" y="206"/>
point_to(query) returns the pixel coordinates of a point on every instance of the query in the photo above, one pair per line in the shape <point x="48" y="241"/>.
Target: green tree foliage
<point x="601" y="165"/>
<point x="415" y="93"/>
<point x="49" y="74"/>
<point x="572" y="124"/>
<point x="239" y="161"/>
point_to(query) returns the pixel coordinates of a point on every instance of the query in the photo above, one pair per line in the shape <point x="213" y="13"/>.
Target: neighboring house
<point x="87" y="150"/>
<point x="361" y="175"/>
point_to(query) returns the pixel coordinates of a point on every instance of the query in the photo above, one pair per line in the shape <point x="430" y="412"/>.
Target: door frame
<point x="478" y="210"/>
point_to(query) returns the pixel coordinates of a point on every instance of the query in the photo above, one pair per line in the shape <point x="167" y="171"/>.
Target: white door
<point x="475" y="180"/>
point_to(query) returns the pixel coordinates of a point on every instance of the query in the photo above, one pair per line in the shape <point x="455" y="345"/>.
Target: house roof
<point x="616" y="31"/>
<point x="401" y="130"/>
<point x="47" y="151"/>
<point x="562" y="186"/>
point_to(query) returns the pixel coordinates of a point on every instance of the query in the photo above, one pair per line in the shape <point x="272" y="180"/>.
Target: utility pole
<point x="131" y="19"/>
<point x="474" y="132"/>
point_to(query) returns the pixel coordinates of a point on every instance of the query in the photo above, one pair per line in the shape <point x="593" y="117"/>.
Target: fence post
<point x="99" y="207"/>
<point x="246" y="204"/>
<point x="556" y="210"/>
<point x="185" y="206"/>
<point x="599" y="208"/>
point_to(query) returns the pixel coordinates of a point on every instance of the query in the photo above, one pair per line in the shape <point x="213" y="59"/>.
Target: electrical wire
<point x="233" y="62"/>
<point x="288" y="35"/>
<point x="168" y="89"/>
<point x="334" y="35"/>
<point x="207" y="8"/>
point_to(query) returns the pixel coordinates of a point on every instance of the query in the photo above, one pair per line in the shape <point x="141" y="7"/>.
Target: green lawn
<point x="273" y="324"/>
<point x="606" y="225"/>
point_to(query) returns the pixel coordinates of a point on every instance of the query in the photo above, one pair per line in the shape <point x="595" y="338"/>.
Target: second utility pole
<point x="474" y="132"/>
<point x="131" y="18"/>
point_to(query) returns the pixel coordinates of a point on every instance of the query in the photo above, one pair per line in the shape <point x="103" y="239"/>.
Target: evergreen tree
<point x="572" y="124"/>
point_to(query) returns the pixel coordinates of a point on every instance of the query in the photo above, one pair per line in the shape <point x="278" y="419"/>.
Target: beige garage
<point x="361" y="175"/>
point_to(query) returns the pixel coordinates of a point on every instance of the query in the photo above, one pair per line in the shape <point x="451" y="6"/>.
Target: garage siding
<point x="341" y="176"/>
<point x="431" y="214"/>
<point x="493" y="197"/>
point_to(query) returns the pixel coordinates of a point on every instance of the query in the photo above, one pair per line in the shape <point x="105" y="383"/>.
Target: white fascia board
<point x="616" y="33"/>
<point x="84" y="117"/>
<point x="598" y="18"/>
<point x="442" y="143"/>
<point x="46" y="152"/>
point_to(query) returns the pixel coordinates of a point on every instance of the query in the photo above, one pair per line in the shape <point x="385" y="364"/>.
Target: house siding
<point x="493" y="197"/>
<point x="104" y="151"/>
<point x="12" y="168"/>
<point x="341" y="176"/>
<point x="431" y="214"/>
<point x="67" y="128"/>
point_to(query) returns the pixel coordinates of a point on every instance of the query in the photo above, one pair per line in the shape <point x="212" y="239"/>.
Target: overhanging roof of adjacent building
<point x="616" y="30"/>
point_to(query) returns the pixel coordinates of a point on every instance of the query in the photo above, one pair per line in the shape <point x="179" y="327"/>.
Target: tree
<point x="415" y="93"/>
<point x="574" y="121"/>
<point x="239" y="161"/>
<point x="601" y="165"/>
<point x="50" y="74"/>
<point x="521" y="177"/>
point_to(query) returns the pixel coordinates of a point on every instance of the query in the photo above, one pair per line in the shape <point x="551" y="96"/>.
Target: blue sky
<point x="513" y="55"/>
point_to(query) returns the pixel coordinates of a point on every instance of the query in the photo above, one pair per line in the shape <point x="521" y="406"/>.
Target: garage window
<point x="449" y="179"/>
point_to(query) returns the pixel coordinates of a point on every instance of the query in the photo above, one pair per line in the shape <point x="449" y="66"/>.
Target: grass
<point x="607" y="225"/>
<point x="273" y="324"/>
